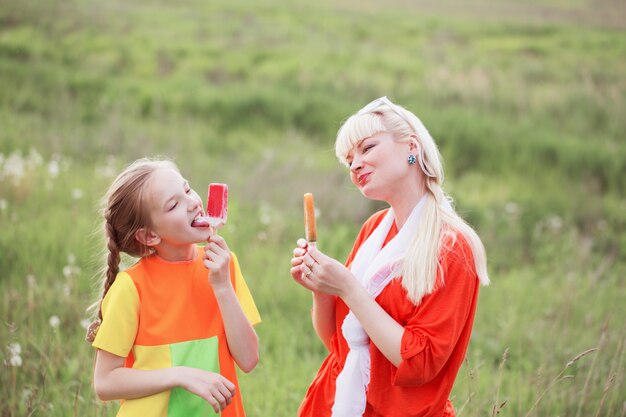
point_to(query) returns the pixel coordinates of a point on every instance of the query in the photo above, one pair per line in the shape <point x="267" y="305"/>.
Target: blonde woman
<point x="397" y="318"/>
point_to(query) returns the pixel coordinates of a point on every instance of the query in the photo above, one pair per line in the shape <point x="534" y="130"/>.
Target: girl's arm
<point x="112" y="381"/>
<point x="243" y="342"/>
<point x="323" y="312"/>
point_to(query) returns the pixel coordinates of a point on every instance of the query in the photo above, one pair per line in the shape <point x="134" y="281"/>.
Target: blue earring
<point x="412" y="159"/>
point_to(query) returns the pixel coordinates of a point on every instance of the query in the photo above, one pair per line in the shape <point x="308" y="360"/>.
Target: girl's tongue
<point x="200" y="222"/>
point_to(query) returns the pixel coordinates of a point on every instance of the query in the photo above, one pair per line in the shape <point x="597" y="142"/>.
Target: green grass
<point x="525" y="101"/>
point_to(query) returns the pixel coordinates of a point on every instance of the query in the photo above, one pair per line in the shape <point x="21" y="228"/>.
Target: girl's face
<point x="173" y="206"/>
<point x="379" y="168"/>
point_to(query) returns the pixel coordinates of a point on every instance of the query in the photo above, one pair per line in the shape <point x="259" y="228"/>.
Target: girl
<point x="174" y="323"/>
<point x="398" y="317"/>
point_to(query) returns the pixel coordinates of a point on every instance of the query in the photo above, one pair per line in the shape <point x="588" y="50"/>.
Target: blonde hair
<point x="125" y="212"/>
<point x="438" y="224"/>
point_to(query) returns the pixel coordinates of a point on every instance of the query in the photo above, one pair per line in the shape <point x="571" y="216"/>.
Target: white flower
<point x="3" y="204"/>
<point x="555" y="223"/>
<point x="30" y="279"/>
<point x="54" y="321"/>
<point x="67" y="271"/>
<point x="34" y="158"/>
<point x="14" y="167"/>
<point x="77" y="193"/>
<point x="265" y="214"/>
<point x="26" y="395"/>
<point x="54" y="169"/>
<point x="14" y="348"/>
<point x="511" y="208"/>
<point x="15" y="360"/>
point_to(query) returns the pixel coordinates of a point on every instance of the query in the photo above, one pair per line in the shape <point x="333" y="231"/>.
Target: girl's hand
<point x="217" y="260"/>
<point x="321" y="273"/>
<point x="212" y="387"/>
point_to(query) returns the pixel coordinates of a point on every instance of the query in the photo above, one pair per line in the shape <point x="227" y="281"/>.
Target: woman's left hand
<point x="217" y="260"/>
<point x="322" y="273"/>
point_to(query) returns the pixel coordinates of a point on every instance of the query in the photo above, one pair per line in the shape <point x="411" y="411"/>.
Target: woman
<point x="397" y="318"/>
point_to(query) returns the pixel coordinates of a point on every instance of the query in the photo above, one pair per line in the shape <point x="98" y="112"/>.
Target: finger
<point x="219" y="241"/>
<point x="309" y="261"/>
<point x="226" y="393"/>
<point x="304" y="282"/>
<point x="220" y="398"/>
<point x="296" y="272"/>
<point x="316" y="254"/>
<point x="217" y="256"/>
<point x="302" y="243"/>
<point x="216" y="248"/>
<point x="296" y="261"/>
<point x="213" y="402"/>
<point x="298" y="252"/>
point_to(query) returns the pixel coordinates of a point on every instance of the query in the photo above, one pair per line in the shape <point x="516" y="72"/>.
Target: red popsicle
<point x="217" y="204"/>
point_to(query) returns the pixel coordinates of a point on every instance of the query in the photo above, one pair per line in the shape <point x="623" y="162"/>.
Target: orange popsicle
<point x="309" y="218"/>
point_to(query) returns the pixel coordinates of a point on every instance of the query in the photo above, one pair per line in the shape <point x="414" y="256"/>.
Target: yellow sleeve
<point x="120" y="317"/>
<point x="243" y="294"/>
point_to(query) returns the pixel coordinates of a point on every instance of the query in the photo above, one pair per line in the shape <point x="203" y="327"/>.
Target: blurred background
<point x="525" y="99"/>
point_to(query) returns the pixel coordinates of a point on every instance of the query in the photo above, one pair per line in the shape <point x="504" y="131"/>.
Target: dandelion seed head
<point x="54" y="168"/>
<point x="54" y="321"/>
<point x="30" y="280"/>
<point x="511" y="208"/>
<point x="15" y="361"/>
<point x="27" y="393"/>
<point x="77" y="193"/>
<point x="14" y="348"/>
<point x="14" y="167"/>
<point x="34" y="158"/>
<point x="67" y="271"/>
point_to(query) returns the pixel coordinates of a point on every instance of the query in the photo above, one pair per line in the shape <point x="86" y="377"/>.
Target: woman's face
<point x="379" y="168"/>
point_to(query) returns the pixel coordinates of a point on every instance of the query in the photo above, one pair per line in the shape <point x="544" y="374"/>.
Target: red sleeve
<point x="432" y="332"/>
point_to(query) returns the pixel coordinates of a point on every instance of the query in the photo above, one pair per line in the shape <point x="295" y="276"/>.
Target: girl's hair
<point x="125" y="212"/>
<point x="438" y="224"/>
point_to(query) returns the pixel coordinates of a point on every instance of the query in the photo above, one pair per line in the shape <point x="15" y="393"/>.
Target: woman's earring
<point x="412" y="159"/>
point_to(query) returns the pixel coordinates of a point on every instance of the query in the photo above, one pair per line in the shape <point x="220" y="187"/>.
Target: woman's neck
<point x="403" y="205"/>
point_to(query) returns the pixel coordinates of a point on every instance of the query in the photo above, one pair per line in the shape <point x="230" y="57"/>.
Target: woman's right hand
<point x="212" y="387"/>
<point x="297" y="260"/>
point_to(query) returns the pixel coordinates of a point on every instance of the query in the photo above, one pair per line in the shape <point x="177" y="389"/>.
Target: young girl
<point x="397" y="318"/>
<point x="174" y="324"/>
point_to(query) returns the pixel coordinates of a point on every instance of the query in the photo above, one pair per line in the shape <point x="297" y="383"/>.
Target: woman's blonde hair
<point x="438" y="224"/>
<point x="125" y="212"/>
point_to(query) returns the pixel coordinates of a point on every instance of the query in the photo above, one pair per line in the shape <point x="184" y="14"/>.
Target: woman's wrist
<point x="353" y="292"/>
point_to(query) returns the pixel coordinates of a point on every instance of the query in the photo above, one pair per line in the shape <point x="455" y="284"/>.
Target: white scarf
<point x="374" y="268"/>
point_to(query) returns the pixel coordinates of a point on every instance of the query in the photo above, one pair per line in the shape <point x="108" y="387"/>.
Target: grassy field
<point x="526" y="101"/>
